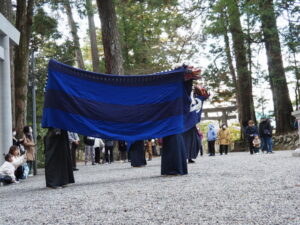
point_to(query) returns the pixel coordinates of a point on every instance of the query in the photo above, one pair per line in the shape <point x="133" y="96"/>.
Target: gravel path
<point x="235" y="189"/>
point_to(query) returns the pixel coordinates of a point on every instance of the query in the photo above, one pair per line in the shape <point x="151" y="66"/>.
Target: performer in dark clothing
<point x="192" y="143"/>
<point x="58" y="161"/>
<point x="137" y="154"/>
<point x="173" y="157"/>
<point x="122" y="150"/>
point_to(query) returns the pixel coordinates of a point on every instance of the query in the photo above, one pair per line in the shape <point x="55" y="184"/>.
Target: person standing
<point x="89" y="149"/>
<point x="109" y="148"/>
<point x="149" y="149"/>
<point x="211" y="137"/>
<point x="122" y="150"/>
<point x="29" y="147"/>
<point x="98" y="147"/>
<point x="224" y="139"/>
<point x="58" y="161"/>
<point x="74" y="143"/>
<point x="137" y="154"/>
<point x="192" y="144"/>
<point x="265" y="133"/>
<point x="251" y="132"/>
<point x="173" y="156"/>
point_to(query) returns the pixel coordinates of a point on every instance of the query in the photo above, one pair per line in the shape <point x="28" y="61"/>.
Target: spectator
<point x="265" y="133"/>
<point x="211" y="139"/>
<point x="74" y="143"/>
<point x="149" y="149"/>
<point x="18" y="161"/>
<point x="201" y="139"/>
<point x="224" y="139"/>
<point x="251" y="132"/>
<point x="7" y="171"/>
<point x="18" y="142"/>
<point x="256" y="144"/>
<point x="89" y="149"/>
<point x="98" y="146"/>
<point x="29" y="147"/>
<point x="109" y="147"/>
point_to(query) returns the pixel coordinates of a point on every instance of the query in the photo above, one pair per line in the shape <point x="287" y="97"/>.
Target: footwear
<point x="30" y="175"/>
<point x="54" y="187"/>
<point x="93" y="164"/>
<point x="191" y="161"/>
<point x="75" y="169"/>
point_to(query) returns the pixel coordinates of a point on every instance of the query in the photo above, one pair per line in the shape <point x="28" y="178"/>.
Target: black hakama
<point x="137" y="154"/>
<point x="173" y="157"/>
<point x="58" y="161"/>
<point x="192" y="143"/>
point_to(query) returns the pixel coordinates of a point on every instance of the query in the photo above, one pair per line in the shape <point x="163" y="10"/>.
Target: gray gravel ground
<point x="235" y="189"/>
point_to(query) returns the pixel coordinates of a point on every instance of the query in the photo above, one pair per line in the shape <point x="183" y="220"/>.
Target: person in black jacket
<point x="265" y="133"/>
<point x="251" y="132"/>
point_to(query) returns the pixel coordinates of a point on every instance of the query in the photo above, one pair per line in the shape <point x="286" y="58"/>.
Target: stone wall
<point x="286" y="142"/>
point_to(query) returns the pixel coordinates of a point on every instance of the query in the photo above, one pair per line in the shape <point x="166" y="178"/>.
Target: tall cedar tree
<point x="93" y="37"/>
<point x="23" y="24"/>
<point x="72" y="24"/>
<point x="244" y="77"/>
<point x="282" y="103"/>
<point x="110" y="37"/>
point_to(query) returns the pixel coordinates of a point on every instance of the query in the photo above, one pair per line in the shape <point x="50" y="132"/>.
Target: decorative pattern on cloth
<point x="117" y="107"/>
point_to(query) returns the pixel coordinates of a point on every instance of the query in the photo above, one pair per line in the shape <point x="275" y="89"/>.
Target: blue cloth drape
<point x="116" y="107"/>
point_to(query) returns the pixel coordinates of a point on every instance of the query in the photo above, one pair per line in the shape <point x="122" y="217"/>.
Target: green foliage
<point x="150" y="34"/>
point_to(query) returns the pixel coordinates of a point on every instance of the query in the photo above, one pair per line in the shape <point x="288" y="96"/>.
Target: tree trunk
<point x="110" y="37"/>
<point x="281" y="98"/>
<point x="21" y="58"/>
<point x="244" y="80"/>
<point x="72" y="24"/>
<point x="230" y="65"/>
<point x="6" y="10"/>
<point x="93" y="37"/>
<point x="125" y="37"/>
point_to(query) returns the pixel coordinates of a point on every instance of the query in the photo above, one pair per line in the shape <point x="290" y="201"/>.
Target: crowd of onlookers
<point x="19" y="160"/>
<point x="100" y="151"/>
<point x="258" y="137"/>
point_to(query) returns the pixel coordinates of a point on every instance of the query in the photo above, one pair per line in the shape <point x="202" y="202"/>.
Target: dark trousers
<point x="97" y="155"/>
<point x="109" y="155"/>
<point x="30" y="165"/>
<point x="19" y="172"/>
<point x="5" y="179"/>
<point x="250" y="144"/>
<point x="211" y="147"/>
<point x="73" y="154"/>
<point x="122" y="155"/>
<point x="223" y="148"/>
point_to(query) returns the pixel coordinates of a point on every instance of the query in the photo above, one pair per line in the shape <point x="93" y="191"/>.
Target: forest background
<point x="248" y="50"/>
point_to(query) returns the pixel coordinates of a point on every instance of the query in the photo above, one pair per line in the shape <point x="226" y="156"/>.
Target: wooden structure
<point x="226" y="114"/>
<point x="7" y="33"/>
